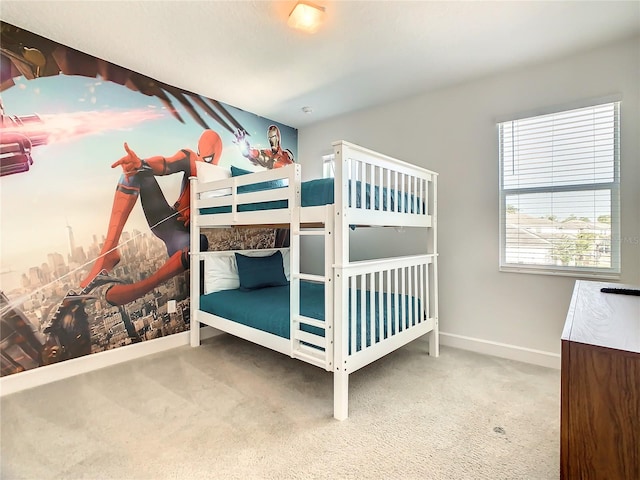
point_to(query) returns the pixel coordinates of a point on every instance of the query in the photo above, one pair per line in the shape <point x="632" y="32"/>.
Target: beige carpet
<point x="230" y="409"/>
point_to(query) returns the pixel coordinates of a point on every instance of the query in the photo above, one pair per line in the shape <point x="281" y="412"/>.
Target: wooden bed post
<point x="340" y="394"/>
<point x="194" y="266"/>
<point x="340" y="347"/>
<point x="295" y="180"/>
<point x="340" y="284"/>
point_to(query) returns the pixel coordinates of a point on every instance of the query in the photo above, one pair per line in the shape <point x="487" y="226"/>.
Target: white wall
<point x="453" y="131"/>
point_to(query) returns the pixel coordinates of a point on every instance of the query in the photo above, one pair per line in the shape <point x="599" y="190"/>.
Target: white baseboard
<point x="58" y="371"/>
<point x="502" y="350"/>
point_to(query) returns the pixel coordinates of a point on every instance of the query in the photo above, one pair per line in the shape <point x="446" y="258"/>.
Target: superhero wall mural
<point x="94" y="198"/>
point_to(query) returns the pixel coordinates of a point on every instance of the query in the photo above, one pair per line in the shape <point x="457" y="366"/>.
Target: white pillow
<point x="285" y="263"/>
<point x="208" y="172"/>
<point x="221" y="271"/>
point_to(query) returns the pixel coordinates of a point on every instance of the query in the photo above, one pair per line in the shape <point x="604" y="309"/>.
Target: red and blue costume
<point x="170" y="223"/>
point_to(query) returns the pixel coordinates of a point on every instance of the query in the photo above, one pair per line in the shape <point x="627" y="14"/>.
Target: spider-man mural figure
<point x="170" y="223"/>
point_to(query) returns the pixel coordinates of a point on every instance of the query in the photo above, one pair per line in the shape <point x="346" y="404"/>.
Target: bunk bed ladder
<point x="312" y="339"/>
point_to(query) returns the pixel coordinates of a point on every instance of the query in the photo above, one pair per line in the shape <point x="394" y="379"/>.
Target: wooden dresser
<point x="600" y="386"/>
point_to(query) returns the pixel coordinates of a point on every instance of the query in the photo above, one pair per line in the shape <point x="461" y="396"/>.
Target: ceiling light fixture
<point x="306" y="16"/>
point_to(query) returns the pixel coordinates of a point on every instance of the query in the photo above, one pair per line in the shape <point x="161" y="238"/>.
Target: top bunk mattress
<point x="322" y="192"/>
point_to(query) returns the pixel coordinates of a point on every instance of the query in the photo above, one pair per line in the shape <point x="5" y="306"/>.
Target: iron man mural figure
<point x="273" y="157"/>
<point x="169" y="223"/>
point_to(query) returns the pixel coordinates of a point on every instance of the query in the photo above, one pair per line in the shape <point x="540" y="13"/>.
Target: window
<point x="328" y="166"/>
<point x="559" y="192"/>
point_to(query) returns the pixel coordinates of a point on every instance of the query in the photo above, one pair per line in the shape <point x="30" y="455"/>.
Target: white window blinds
<point x="559" y="192"/>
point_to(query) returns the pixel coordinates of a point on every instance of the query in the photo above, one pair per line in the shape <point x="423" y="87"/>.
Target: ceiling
<point x="367" y="53"/>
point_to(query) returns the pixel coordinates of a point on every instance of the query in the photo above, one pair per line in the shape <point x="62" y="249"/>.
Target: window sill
<point x="561" y="273"/>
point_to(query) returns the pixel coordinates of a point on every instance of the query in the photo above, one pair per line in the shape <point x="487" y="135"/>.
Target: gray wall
<point x="453" y="131"/>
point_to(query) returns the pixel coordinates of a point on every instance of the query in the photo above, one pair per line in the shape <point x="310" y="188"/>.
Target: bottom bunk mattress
<point x="267" y="309"/>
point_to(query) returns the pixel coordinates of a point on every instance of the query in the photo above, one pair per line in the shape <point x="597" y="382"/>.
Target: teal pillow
<point x="256" y="187"/>
<point x="261" y="272"/>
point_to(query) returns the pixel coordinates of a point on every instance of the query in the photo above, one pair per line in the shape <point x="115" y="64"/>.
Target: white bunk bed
<point x="396" y="300"/>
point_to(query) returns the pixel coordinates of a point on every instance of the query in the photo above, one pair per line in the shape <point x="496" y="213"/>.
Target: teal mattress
<point x="267" y="309"/>
<point x="321" y="192"/>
